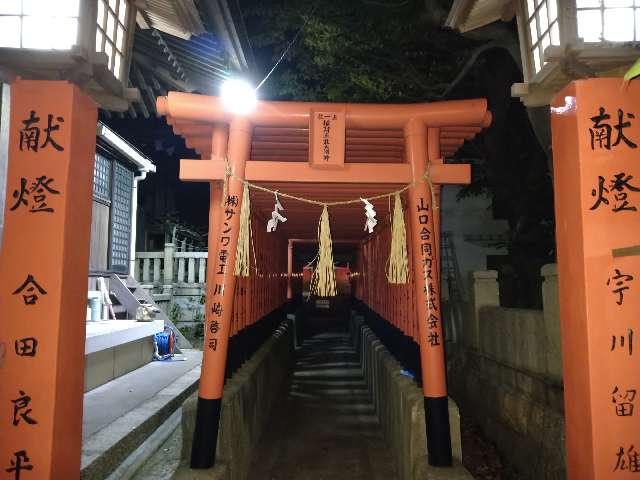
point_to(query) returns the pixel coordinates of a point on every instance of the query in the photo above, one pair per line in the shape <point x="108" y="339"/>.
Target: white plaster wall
<point x="469" y="216"/>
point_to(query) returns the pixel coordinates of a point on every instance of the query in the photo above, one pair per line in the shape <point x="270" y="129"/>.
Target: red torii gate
<point x="285" y="145"/>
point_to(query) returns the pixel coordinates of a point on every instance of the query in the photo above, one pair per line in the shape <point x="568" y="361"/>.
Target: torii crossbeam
<point x="327" y="152"/>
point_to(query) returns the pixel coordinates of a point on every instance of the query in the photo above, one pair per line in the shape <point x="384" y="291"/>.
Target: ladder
<point x="450" y="271"/>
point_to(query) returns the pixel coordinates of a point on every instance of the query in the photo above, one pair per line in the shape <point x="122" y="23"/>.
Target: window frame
<point x="115" y="162"/>
<point x="114" y="267"/>
<point x="124" y="24"/>
<point x="634" y="7"/>
<point x="533" y="47"/>
<point x="97" y="196"/>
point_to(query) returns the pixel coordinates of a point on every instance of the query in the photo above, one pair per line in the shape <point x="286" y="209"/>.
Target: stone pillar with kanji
<point x="43" y="286"/>
<point x="596" y="149"/>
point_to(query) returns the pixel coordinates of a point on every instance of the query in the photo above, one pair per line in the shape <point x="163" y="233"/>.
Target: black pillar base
<point x="438" y="432"/>
<point x="205" y="435"/>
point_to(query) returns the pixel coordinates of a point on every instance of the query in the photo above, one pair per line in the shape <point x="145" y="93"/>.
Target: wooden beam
<point x="145" y="88"/>
<point x="366" y="116"/>
<point x="603" y="53"/>
<point x="294" y="172"/>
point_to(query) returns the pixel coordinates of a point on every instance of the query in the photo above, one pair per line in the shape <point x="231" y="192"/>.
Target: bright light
<point x="238" y="96"/>
<point x="46" y="33"/>
<point x="569" y="106"/>
<point x="39" y="24"/>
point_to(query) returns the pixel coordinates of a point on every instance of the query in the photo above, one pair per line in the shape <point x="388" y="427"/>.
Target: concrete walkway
<point x="103" y="405"/>
<point x="326" y="427"/>
<point x="121" y="418"/>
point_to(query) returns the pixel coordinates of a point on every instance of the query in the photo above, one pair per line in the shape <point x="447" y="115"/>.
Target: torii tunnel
<point x="368" y="150"/>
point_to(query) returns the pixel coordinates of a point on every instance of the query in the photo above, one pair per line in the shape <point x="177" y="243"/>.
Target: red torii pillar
<point x="221" y="284"/>
<point x="427" y="293"/>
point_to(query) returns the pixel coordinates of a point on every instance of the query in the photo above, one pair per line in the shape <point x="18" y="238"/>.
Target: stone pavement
<point x="326" y="428"/>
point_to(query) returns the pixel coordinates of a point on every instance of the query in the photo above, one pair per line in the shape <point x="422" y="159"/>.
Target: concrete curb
<point x="399" y="404"/>
<point x="140" y="455"/>
<point x="248" y="399"/>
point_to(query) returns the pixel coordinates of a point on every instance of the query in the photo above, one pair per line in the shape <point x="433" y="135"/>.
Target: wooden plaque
<point x="327" y="139"/>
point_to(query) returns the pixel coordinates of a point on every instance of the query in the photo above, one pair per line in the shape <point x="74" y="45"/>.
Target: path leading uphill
<point x="326" y="427"/>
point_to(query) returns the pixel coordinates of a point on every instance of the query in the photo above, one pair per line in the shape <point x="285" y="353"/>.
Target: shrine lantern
<point x="560" y="40"/>
<point x="87" y="42"/>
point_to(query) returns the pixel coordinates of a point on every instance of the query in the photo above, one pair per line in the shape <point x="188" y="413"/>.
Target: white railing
<point x="171" y="267"/>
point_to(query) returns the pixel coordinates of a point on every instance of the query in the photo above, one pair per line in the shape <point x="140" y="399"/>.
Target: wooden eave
<point x="468" y="15"/>
<point x="175" y="17"/>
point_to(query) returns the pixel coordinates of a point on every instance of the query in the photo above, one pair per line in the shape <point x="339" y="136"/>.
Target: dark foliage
<point x="354" y="50"/>
<point x="515" y="174"/>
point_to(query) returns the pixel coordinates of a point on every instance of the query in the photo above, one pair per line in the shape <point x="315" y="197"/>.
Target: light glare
<point x="57" y="33"/>
<point x="238" y="96"/>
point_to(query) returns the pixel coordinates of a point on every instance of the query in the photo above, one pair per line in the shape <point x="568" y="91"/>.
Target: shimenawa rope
<point x="426" y="177"/>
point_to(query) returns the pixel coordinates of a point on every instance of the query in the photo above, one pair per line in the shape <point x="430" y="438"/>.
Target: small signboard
<point x="327" y="139"/>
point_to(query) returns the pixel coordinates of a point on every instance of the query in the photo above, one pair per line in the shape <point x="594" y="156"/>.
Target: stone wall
<point x="183" y="303"/>
<point x="399" y="404"/>
<point x="264" y="377"/>
<point x="185" y="306"/>
<point x="506" y="375"/>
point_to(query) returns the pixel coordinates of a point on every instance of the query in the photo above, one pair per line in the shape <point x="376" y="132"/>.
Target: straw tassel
<point x="397" y="271"/>
<point x="323" y="282"/>
<point x="242" y="254"/>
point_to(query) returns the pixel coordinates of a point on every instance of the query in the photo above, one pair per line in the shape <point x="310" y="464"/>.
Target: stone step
<point x="143" y="296"/>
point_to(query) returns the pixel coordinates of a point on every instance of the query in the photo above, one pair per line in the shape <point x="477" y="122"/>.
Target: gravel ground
<point x="164" y="462"/>
<point x="479" y="455"/>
